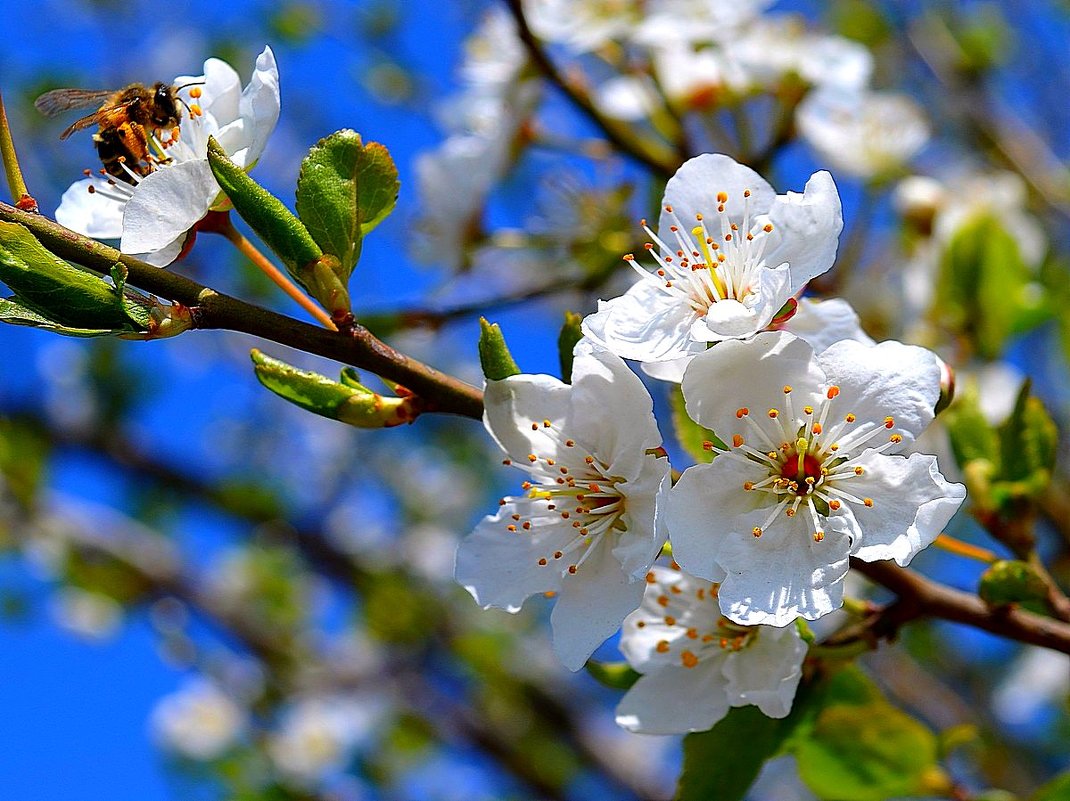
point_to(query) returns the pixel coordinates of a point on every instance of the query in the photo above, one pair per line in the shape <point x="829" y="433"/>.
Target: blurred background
<point x="206" y="593"/>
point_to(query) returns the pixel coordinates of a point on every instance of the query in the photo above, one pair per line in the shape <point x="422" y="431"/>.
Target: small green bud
<point x="566" y="343"/>
<point x="1011" y="581"/>
<point x="615" y="675"/>
<point x="494" y="355"/>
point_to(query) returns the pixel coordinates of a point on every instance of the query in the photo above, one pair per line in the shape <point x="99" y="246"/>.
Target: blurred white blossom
<point x="200" y="721"/>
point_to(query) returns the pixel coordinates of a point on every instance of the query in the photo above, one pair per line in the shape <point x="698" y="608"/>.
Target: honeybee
<point x="126" y="118"/>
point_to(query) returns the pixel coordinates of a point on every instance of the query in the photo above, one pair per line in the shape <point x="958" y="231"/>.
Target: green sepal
<point x="566" y="343"/>
<point x="615" y="675"/>
<point x="349" y="402"/>
<point x="494" y="356"/>
<point x="1012" y="581"/>
<point x="344" y="190"/>
<point x="277" y="226"/>
<point x="697" y="442"/>
<point x="64" y="296"/>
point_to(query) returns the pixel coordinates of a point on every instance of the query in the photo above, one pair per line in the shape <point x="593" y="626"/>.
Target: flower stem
<point x="15" y="180"/>
<point x="251" y="252"/>
<point x="961" y="548"/>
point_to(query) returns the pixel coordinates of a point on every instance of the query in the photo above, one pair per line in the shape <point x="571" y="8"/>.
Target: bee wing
<point x="79" y="124"/>
<point x="60" y="100"/>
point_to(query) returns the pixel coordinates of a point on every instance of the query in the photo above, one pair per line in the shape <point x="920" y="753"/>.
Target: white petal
<point x="766" y="673"/>
<point x="166" y="204"/>
<point x="751" y="373"/>
<point x="165" y="255"/>
<point x="647" y="497"/>
<point x="891" y="378"/>
<point x="221" y="92"/>
<point x="668" y="371"/>
<point x="611" y="411"/>
<point x="674" y="700"/>
<point x="513" y="404"/>
<point x="694" y="188"/>
<point x="645" y="324"/>
<point x="592" y="605"/>
<point x="730" y="319"/>
<point x="259" y="105"/>
<point x="824" y="322"/>
<point x="806" y="229"/>
<point x="707" y="507"/>
<point x="912" y="502"/>
<point x="500" y="568"/>
<point x="784" y="574"/>
<point x="90" y="213"/>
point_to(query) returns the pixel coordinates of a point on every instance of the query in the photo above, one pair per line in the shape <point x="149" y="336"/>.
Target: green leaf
<point x="566" y="343"/>
<point x="985" y="289"/>
<point x="721" y="764"/>
<point x="15" y="313"/>
<point x="1058" y="789"/>
<point x="60" y="293"/>
<point x="494" y="356"/>
<point x="344" y="190"/>
<point x="615" y="675"/>
<point x="972" y="436"/>
<point x="350" y="402"/>
<point x="1028" y="438"/>
<point x="852" y="745"/>
<point x="267" y="215"/>
<point x="692" y="437"/>
<point x="1012" y="581"/>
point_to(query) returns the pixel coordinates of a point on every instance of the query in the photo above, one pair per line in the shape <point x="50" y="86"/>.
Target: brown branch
<point x="214" y="310"/>
<point x="659" y="160"/>
<point x="920" y="597"/>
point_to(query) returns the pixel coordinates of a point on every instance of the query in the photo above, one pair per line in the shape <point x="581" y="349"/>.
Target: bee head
<point x="165" y="113"/>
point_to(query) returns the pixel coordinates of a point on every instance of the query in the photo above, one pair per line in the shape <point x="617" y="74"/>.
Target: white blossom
<point x="152" y="214"/>
<point x="200" y="721"/>
<point x="697" y="664"/>
<point x="810" y="474"/>
<point x="863" y="133"/>
<point x="585" y="526"/>
<point x="317" y="735"/>
<point x="729" y="253"/>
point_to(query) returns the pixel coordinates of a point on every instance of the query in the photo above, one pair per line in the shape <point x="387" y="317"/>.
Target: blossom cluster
<point x="810" y="463"/>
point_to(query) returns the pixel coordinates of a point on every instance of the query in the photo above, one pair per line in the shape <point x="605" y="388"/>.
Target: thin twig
<point x="658" y="159"/>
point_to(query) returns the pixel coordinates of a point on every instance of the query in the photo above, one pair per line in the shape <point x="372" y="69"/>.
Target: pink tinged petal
<point x="611" y="411"/>
<point x="647" y="496"/>
<point x="912" y="502"/>
<point x="766" y="673"/>
<point x="674" y="700"/>
<point x="694" y="189"/>
<point x="90" y="213"/>
<point x="513" y="404"/>
<point x="592" y="605"/>
<point x="501" y="568"/>
<point x="707" y="508"/>
<point x="824" y="322"/>
<point x="165" y="255"/>
<point x="645" y="324"/>
<point x="752" y="374"/>
<point x="166" y="204"/>
<point x="806" y="229"/>
<point x="889" y="379"/>
<point x="785" y="574"/>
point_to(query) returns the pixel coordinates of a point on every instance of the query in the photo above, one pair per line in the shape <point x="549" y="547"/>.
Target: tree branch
<point x="214" y="310"/>
<point x="920" y="597"/>
<point x="659" y="160"/>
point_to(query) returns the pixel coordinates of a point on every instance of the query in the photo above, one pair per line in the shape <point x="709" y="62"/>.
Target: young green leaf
<point x="1012" y="581"/>
<point x="348" y="402"/>
<point x="494" y="355"/>
<point x="566" y="342"/>
<point x="266" y="214"/>
<point x="1028" y="438"/>
<point x="344" y="190"/>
